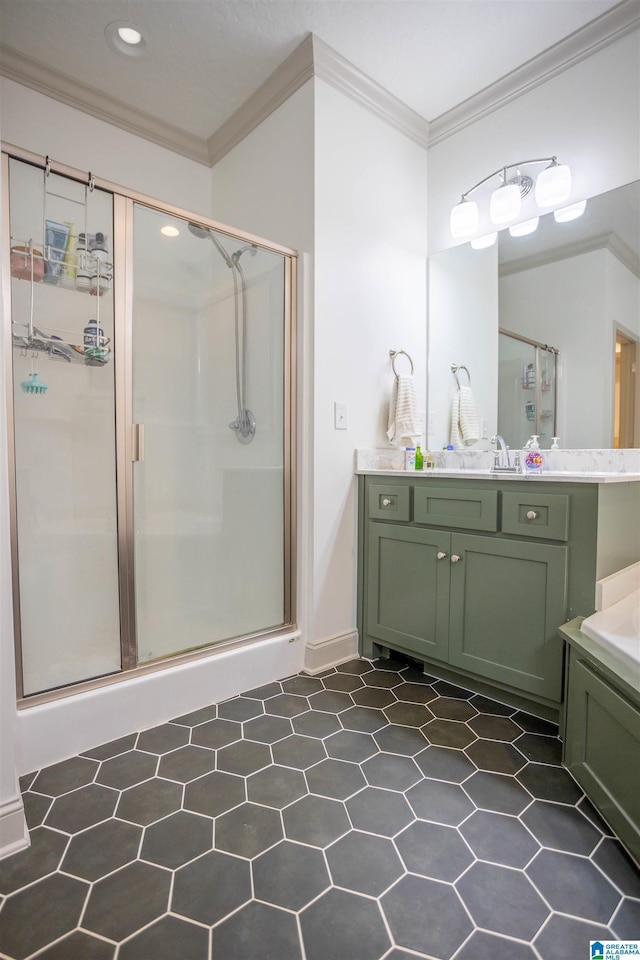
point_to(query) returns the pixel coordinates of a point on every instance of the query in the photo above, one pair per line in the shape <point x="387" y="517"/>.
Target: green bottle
<point x="419" y="459"/>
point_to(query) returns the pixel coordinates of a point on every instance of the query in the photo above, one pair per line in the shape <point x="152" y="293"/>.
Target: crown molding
<point x="604" y="241"/>
<point x="611" y="26"/>
<point x="312" y="58"/>
<point x="33" y="74"/>
<point x="283" y="82"/>
<point x="349" y="80"/>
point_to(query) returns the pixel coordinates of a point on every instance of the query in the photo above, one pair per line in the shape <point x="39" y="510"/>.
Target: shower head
<point x="201" y="232"/>
<point x="248" y="248"/>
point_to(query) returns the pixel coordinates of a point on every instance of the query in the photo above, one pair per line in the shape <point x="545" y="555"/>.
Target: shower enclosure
<point x="151" y="425"/>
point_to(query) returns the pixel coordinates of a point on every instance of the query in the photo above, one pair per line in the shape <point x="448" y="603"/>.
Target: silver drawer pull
<point x="455" y="558"/>
<point x="440" y="555"/>
<point x="386" y="502"/>
<point x="532" y="515"/>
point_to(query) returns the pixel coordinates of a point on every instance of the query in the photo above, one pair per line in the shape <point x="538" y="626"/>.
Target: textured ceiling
<point x="207" y="57"/>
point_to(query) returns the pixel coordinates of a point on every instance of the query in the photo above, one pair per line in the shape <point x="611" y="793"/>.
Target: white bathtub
<point x="617" y="629"/>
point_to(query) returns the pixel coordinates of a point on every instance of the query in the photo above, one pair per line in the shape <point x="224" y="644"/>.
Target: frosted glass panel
<point x="208" y="508"/>
<point x="64" y="439"/>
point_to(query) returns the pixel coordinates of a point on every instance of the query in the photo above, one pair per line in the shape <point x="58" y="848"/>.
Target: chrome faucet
<point x="501" y="456"/>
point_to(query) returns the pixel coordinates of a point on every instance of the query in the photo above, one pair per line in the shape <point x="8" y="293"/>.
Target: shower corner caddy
<point x="29" y="263"/>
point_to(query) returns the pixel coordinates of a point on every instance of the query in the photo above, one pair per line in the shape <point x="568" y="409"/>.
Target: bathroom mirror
<point x="572" y="285"/>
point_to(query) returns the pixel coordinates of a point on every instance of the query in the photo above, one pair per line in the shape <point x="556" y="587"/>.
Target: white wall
<point x="370" y="297"/>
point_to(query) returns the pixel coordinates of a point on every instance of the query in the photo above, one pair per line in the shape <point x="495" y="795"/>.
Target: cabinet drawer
<point x="459" y="509"/>
<point x="541" y="515"/>
<point x="388" y="502"/>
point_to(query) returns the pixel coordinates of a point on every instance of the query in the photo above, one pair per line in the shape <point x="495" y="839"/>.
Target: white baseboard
<point x="330" y="652"/>
<point x="14" y="835"/>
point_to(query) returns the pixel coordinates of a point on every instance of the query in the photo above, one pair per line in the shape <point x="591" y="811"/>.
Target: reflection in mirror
<point x="575" y="285"/>
<point x="526" y="391"/>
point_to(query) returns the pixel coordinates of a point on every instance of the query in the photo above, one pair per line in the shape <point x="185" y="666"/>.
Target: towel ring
<point x="396" y="353"/>
<point x="455" y="369"/>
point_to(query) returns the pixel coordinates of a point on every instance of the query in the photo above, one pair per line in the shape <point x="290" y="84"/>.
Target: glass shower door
<point x="63" y="398"/>
<point x="208" y="349"/>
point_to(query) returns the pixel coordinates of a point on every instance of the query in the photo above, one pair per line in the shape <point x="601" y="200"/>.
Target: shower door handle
<point x="137" y="453"/>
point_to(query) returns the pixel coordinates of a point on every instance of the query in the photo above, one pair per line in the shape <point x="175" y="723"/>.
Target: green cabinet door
<point x="602" y="745"/>
<point x="407" y="588"/>
<point x="507" y="601"/>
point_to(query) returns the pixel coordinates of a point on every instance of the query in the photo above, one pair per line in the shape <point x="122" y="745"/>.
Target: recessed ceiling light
<point x="126" y="38"/>
<point x="169" y="231"/>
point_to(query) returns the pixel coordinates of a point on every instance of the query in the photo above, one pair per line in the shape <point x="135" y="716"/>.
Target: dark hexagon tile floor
<point x="372" y="812"/>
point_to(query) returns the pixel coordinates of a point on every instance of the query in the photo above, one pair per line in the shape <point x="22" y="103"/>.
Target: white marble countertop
<point x="549" y="476"/>
<point x="564" y="466"/>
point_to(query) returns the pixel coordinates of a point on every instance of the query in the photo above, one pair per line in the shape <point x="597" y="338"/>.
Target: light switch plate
<point x="340" y="416"/>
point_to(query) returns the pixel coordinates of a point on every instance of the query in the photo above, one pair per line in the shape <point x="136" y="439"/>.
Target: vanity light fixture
<point x="126" y="38"/>
<point x="481" y="243"/>
<point x="572" y="212"/>
<point x="552" y="186"/>
<point x="524" y="228"/>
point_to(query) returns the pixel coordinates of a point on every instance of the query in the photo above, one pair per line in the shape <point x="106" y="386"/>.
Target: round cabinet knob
<point x="386" y="502"/>
<point x="440" y="555"/>
<point x="455" y="558"/>
<point x="531" y="515"/>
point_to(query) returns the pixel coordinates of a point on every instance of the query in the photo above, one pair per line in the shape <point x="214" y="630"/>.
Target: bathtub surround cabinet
<point x="474" y="577"/>
<point x="602" y="732"/>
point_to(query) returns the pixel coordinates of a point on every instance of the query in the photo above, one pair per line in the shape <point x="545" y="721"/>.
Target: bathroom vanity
<point x="473" y="573"/>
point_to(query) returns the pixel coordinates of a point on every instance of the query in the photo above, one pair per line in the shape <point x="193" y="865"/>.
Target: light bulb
<point x="572" y="212"/>
<point x="505" y="203"/>
<point x="129" y="35"/>
<point x="464" y="218"/>
<point x="480" y="243"/>
<point x="522" y="229"/>
<point x="553" y="185"/>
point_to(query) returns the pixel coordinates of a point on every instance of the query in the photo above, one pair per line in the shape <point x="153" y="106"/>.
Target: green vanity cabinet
<point x="507" y="599"/>
<point x="408" y="588"/>
<point x="474" y="577"/>
<point x="433" y="593"/>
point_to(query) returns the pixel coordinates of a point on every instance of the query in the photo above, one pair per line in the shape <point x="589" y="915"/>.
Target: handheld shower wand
<point x="244" y="426"/>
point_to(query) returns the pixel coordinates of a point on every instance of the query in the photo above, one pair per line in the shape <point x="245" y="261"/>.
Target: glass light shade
<point x="464" y="219"/>
<point x="522" y="229"/>
<point x="572" y="212"/>
<point x="505" y="203"/>
<point x="553" y="185"/>
<point x="487" y="241"/>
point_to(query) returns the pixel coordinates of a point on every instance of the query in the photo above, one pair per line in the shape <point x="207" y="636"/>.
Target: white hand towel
<point x="455" y="438"/>
<point x="404" y="427"/>
<point x="468" y="417"/>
